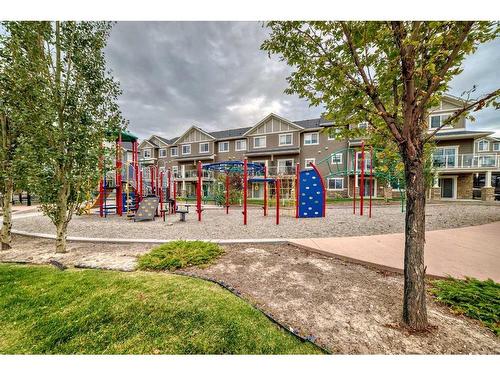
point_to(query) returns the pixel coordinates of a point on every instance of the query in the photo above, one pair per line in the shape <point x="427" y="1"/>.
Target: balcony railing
<point x="193" y="173"/>
<point x="466" y="161"/>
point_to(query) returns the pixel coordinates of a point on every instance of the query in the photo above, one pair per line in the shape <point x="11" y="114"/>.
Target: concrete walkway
<point x="470" y="251"/>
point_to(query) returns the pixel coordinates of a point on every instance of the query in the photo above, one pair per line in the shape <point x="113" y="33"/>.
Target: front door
<point x="447" y="187"/>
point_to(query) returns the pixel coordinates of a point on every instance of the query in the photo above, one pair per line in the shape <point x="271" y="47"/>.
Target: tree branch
<point x="370" y="89"/>
<point x="436" y="80"/>
<point x="479" y="103"/>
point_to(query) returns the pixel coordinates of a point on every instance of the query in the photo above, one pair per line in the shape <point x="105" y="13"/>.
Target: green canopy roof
<point x="127" y="136"/>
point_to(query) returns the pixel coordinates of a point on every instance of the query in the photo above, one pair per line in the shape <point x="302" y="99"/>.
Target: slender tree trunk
<point x="414" y="304"/>
<point x="61" y="234"/>
<point x="8" y="193"/>
<point x="61" y="220"/>
<point x="7" y="214"/>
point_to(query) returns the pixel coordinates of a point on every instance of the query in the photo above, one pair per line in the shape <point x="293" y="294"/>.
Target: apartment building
<point x="467" y="162"/>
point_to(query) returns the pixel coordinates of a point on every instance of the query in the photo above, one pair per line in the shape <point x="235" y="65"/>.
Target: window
<point x="163" y="152"/>
<point x="259" y="142"/>
<point x="241" y="145"/>
<point x="496" y="146"/>
<point x="311" y="139"/>
<point x="285" y="166"/>
<point x="223" y="146"/>
<point x="147" y="153"/>
<point x="173" y="151"/>
<point x="367" y="160"/>
<point x="337" y="158"/>
<point x="336" y="183"/>
<point x="308" y="161"/>
<point x="204" y="148"/>
<point x="186" y="149"/>
<point x="332" y="133"/>
<point x="175" y="171"/>
<point x="363" y="125"/>
<point x="445" y="157"/>
<point x="286" y="139"/>
<point x="483" y="145"/>
<point x="435" y="121"/>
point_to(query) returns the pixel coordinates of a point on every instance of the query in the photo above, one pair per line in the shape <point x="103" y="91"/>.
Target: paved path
<point x="470" y="251"/>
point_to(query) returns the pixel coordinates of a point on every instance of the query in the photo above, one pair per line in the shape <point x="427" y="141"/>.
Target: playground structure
<point x="307" y="186"/>
<point x="302" y="194"/>
<point x="362" y="168"/>
<point x="124" y="186"/>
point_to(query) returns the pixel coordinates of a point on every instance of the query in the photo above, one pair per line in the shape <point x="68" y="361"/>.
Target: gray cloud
<point x="213" y="74"/>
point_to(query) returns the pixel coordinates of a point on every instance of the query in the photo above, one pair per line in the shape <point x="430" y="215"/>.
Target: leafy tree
<point x="388" y="74"/>
<point x="77" y="114"/>
<point x="19" y="102"/>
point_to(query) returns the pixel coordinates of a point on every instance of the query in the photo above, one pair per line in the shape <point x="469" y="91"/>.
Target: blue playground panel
<point x="310" y="194"/>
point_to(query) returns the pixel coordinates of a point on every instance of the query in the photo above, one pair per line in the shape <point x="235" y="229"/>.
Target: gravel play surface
<point x="339" y="222"/>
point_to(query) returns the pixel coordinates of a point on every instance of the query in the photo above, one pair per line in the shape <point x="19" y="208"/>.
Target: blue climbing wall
<point x="310" y="194"/>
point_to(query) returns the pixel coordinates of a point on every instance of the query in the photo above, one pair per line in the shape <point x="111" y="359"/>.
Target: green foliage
<point x="61" y="67"/>
<point x="235" y="188"/>
<point x="43" y="310"/>
<point x="180" y="254"/>
<point x="477" y="299"/>
<point x="355" y="69"/>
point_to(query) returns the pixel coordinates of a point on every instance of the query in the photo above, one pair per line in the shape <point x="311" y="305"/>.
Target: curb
<point x="376" y="266"/>
<point x="152" y="241"/>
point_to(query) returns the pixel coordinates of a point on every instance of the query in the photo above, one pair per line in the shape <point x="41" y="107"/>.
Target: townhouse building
<point x="467" y="162"/>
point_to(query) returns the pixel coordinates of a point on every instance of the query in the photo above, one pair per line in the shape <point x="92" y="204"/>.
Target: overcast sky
<point x="214" y="75"/>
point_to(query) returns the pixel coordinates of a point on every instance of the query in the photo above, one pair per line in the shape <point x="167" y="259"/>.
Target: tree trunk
<point x="62" y="232"/>
<point x="7" y="214"/>
<point x="414" y="304"/>
<point x="61" y="220"/>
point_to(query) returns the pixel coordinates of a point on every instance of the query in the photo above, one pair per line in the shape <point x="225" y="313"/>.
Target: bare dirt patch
<point x="348" y="308"/>
<point x="113" y="256"/>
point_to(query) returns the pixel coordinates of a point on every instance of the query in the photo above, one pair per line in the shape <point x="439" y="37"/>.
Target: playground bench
<point x="182" y="212"/>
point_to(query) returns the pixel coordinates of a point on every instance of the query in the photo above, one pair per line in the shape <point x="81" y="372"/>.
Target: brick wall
<point x="464" y="186"/>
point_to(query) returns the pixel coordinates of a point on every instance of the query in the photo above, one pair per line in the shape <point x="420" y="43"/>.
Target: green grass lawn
<point x="43" y="310"/>
<point x="477" y="299"/>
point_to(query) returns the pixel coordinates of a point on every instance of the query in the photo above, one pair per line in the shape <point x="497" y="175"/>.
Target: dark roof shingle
<point x="230" y="133"/>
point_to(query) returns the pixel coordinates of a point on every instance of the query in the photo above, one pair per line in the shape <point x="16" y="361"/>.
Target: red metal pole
<point x="355" y="181"/>
<point x="169" y="195"/>
<point x="175" y="196"/>
<point x="245" y="190"/>
<point x="158" y="185"/>
<point x="371" y="181"/>
<point x="227" y="193"/>
<point x="141" y="183"/>
<point x="136" y="170"/>
<point x="362" y="182"/>
<point x="265" y="190"/>
<point x="118" y="175"/>
<point x="101" y="188"/>
<point x="297" y="187"/>
<point x="161" y="194"/>
<point x="278" y="187"/>
<point x="152" y="178"/>
<point x="198" y="192"/>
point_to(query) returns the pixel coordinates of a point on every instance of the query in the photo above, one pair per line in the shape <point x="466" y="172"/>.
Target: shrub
<point x="476" y="299"/>
<point x="180" y="254"/>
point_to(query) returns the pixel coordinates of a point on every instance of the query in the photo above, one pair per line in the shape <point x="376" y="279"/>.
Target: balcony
<point x="466" y="161"/>
<point x="192" y="174"/>
<point x="147" y="161"/>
